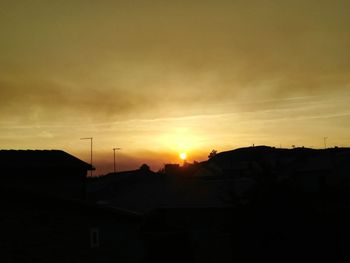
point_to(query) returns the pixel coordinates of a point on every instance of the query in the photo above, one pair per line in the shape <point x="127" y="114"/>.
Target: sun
<point x="183" y="156"/>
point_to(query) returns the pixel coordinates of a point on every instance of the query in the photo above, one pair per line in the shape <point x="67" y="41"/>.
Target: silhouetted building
<point x="41" y="228"/>
<point x="171" y="169"/>
<point x="53" y="172"/>
<point x="189" y="234"/>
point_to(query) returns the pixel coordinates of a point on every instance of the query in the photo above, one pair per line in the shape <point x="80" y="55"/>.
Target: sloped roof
<point x="41" y="158"/>
<point x="256" y="152"/>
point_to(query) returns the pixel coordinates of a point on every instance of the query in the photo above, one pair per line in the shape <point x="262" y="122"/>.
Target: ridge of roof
<point x="41" y="156"/>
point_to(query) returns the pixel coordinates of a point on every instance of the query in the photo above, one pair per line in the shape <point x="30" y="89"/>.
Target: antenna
<point x="325" y="142"/>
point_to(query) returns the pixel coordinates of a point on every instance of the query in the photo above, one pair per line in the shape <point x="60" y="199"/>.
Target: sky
<point x="157" y="78"/>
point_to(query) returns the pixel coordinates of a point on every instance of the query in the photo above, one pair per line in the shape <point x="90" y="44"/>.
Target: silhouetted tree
<point x="212" y="154"/>
<point x="145" y="168"/>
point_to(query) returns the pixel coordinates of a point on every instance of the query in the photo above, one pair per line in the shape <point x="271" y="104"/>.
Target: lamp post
<point x="114" y="158"/>
<point x="89" y="138"/>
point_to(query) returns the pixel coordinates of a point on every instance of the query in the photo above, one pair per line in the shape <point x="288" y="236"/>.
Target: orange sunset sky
<point x="157" y="78"/>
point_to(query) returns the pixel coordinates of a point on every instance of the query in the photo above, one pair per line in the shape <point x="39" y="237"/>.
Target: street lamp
<point x="114" y="157"/>
<point x="89" y="138"/>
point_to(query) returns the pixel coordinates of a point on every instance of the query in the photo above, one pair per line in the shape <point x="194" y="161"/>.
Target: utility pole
<point x="325" y="142"/>
<point x="89" y="138"/>
<point x="115" y="171"/>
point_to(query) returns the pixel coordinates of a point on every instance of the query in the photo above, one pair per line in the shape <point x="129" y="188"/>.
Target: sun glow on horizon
<point x="183" y="156"/>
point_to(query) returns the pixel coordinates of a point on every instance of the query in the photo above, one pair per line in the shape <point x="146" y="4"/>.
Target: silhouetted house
<point x="48" y="171"/>
<point x="311" y="174"/>
<point x="37" y="228"/>
<point x="251" y="161"/>
<point x="189" y="234"/>
<point x="206" y="171"/>
<point x="342" y="169"/>
<point x="329" y="168"/>
<point x="171" y="169"/>
<point x="103" y="186"/>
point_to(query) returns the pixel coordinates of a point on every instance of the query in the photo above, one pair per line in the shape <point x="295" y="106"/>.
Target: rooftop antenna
<point x="114" y="149"/>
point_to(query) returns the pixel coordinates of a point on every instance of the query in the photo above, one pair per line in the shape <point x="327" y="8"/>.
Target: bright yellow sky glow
<point x="157" y="78"/>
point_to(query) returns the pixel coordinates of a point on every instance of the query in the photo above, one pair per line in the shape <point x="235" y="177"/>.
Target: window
<point x="94" y="237"/>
